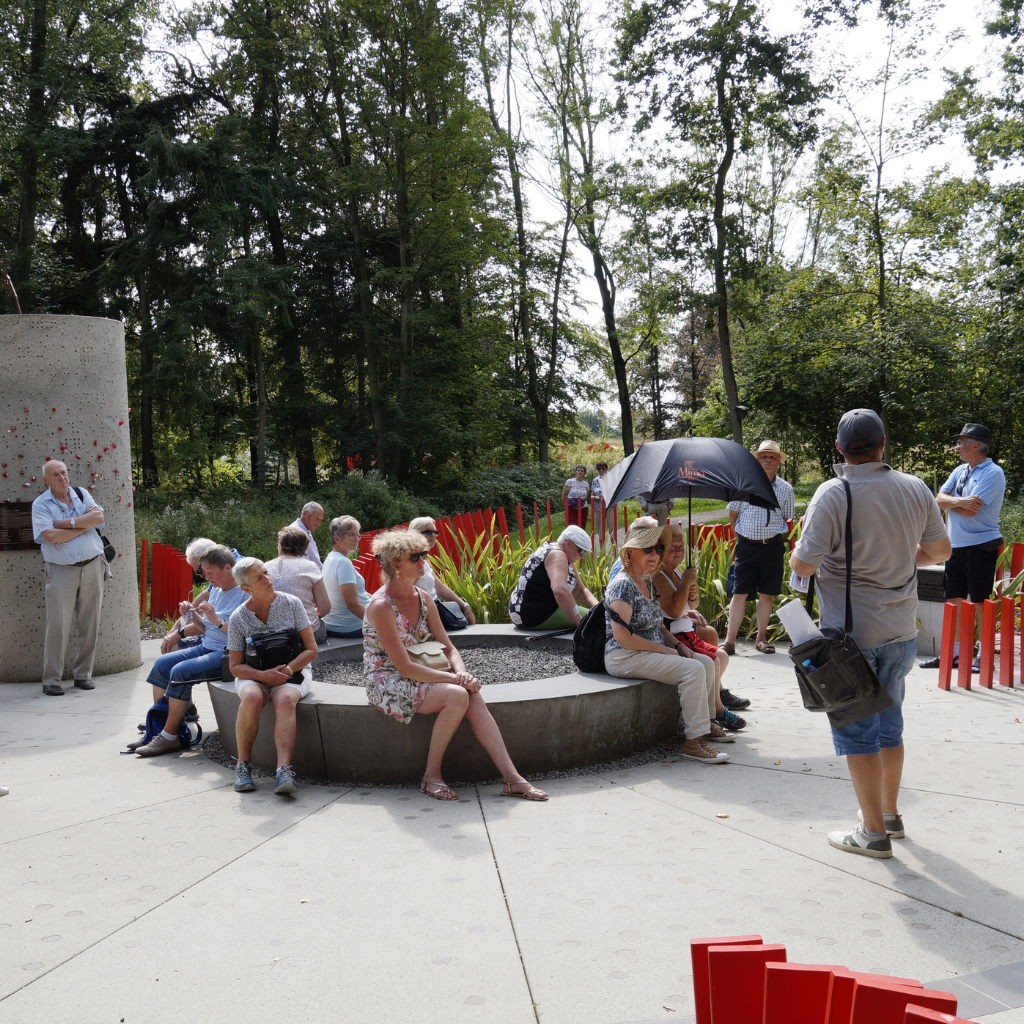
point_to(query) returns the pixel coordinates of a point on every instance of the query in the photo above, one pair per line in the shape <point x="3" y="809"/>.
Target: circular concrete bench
<point x="548" y="724"/>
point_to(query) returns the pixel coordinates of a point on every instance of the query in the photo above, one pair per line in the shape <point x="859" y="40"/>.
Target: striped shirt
<point x="762" y="524"/>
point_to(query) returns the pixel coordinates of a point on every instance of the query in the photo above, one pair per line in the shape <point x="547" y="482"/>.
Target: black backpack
<point x="590" y="637"/>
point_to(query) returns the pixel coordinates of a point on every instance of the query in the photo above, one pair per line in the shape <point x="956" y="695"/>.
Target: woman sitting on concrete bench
<point x="399" y="616"/>
<point x="284" y="686"/>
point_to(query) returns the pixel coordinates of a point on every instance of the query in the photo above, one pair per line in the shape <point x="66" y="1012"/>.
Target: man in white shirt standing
<point x="64" y="525"/>
<point x="761" y="536"/>
<point x="310" y="518"/>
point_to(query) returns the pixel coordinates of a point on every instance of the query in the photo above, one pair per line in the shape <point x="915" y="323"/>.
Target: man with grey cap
<point x="896" y="526"/>
<point x="550" y="594"/>
<point x="972" y="498"/>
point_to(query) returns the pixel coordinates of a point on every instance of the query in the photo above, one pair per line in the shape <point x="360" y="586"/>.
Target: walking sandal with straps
<point x="528" y="793"/>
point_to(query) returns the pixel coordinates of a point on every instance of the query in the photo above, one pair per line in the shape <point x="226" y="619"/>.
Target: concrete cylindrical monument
<point x="64" y="395"/>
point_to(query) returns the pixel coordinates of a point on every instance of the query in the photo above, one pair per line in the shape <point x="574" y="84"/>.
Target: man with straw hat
<point x="761" y="536"/>
<point x="638" y="646"/>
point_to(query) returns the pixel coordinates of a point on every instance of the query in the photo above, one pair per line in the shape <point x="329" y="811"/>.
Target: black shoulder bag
<point x="109" y="551"/>
<point x="274" y="647"/>
<point x="590" y="636"/>
<point x="831" y="671"/>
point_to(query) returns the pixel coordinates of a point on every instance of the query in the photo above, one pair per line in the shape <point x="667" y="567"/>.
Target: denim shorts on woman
<point x="891" y="663"/>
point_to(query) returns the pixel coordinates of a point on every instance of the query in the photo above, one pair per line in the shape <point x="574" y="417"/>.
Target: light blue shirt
<point x="338" y="569"/>
<point x="615" y="570"/>
<point x="224" y="603"/>
<point x="46" y="510"/>
<point x="312" y="552"/>
<point x="988" y="482"/>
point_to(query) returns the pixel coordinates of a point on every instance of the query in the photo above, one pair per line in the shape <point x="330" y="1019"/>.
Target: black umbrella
<point x="708" y="467"/>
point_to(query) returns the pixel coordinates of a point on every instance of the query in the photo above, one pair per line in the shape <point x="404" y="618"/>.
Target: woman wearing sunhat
<point x="642" y="648"/>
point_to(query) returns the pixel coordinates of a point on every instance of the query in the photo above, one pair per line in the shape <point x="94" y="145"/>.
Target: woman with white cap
<point x="550" y="594"/>
<point x="640" y="647"/>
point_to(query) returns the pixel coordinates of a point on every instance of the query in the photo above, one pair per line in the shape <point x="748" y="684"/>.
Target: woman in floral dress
<point x="398" y="616"/>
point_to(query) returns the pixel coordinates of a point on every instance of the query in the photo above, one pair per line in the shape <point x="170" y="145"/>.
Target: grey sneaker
<point x="285" y="780"/>
<point x="893" y="824"/>
<point x="158" y="745"/>
<point x="243" y="777"/>
<point x="855" y="841"/>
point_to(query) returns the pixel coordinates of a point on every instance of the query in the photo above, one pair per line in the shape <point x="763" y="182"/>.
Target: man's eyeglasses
<point x="658" y="549"/>
<point x="429" y="533"/>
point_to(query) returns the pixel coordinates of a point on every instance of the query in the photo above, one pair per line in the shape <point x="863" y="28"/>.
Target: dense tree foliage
<point x="360" y="235"/>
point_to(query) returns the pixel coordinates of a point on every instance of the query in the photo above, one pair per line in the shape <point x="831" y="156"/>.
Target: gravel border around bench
<point x="490" y="664"/>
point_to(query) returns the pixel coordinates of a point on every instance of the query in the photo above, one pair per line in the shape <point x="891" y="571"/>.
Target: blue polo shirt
<point x="988" y="482"/>
<point x="46" y="510"/>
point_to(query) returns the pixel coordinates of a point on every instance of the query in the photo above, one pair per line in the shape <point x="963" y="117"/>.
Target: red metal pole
<point x="1007" y="641"/>
<point x="536" y="521"/>
<point x="963" y="678"/>
<point x="522" y="529"/>
<point x="565" y="503"/>
<point x="502" y="522"/>
<point x="548" y="501"/>
<point x="946" y="645"/>
<point x="1016" y="560"/>
<point x="155" y="604"/>
<point x="988" y="643"/>
<point x="625" y="518"/>
<point x="600" y="505"/>
<point x="143" y="578"/>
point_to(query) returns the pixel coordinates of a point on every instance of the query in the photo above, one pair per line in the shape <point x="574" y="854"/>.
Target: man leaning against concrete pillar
<point x="896" y="527"/>
<point x="64" y="525"/>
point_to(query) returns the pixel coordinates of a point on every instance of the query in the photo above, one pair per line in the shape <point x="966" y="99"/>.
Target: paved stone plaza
<point x="148" y="891"/>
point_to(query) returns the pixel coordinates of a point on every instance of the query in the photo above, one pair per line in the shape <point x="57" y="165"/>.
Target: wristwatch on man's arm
<point x="73" y="527"/>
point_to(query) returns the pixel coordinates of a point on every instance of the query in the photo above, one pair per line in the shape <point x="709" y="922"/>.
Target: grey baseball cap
<point x="860" y="431"/>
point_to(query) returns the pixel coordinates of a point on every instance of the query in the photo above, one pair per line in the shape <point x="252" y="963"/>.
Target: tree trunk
<point x="35" y="116"/>
<point x="721" y="285"/>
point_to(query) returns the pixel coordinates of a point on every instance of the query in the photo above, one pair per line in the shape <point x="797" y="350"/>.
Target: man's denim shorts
<point x="891" y="663"/>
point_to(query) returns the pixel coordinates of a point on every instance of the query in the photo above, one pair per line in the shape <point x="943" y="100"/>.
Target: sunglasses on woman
<point x="658" y="549"/>
<point x="429" y="533"/>
<point x="417" y="555"/>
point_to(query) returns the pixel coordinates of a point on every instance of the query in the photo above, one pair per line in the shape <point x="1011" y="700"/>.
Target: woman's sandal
<point x="438" y="790"/>
<point x="530" y="793"/>
<point x="764" y="647"/>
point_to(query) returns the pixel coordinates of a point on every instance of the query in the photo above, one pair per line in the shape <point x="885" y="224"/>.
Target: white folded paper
<point x="799" y="625"/>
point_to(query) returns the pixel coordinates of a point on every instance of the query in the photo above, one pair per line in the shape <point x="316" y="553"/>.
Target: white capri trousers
<point x="694" y="678"/>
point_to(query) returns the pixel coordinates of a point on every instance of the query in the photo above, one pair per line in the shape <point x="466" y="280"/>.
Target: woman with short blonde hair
<point x="428" y="582"/>
<point x="346" y="588"/>
<point x="400" y="616"/>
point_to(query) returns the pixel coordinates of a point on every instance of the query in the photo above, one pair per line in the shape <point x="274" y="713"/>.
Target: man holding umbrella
<point x="761" y="536"/>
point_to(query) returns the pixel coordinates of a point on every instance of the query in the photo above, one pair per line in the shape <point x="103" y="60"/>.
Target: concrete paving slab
<point x="383" y="903"/>
<point x="585" y="904"/>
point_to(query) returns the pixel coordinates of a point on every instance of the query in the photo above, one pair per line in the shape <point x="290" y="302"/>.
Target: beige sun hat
<point x="771" y="446"/>
<point x="644" y="532"/>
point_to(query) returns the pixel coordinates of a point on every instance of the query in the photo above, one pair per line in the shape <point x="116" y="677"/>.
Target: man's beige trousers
<point x="70" y="589"/>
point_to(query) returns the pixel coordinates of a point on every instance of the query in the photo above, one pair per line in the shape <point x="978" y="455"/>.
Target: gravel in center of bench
<point x="488" y="664"/>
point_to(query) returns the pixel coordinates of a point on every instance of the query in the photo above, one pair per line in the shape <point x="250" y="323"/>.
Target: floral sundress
<point x="386" y="689"/>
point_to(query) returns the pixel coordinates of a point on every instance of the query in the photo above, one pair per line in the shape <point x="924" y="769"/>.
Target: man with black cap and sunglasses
<point x="895" y="527"/>
<point x="971" y="498"/>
